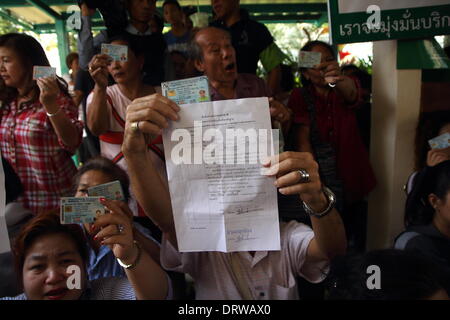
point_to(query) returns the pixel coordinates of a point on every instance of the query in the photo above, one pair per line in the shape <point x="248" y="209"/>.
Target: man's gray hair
<point x="195" y="52"/>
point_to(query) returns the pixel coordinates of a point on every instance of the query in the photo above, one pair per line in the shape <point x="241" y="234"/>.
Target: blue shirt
<point x="177" y="43"/>
<point x="104" y="264"/>
<point x="100" y="289"/>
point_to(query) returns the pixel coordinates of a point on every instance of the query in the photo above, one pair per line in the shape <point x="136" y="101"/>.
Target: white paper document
<point x="220" y="199"/>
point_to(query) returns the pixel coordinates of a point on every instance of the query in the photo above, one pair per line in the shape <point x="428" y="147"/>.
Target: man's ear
<point x="199" y="65"/>
<point x="434" y="200"/>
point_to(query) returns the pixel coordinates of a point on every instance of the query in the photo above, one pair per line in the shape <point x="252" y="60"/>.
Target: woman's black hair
<point x="107" y="167"/>
<point x="428" y="127"/>
<point x="43" y="224"/>
<point x="31" y="54"/>
<point x="308" y="47"/>
<point x="137" y="47"/>
<point x="159" y="22"/>
<point x="403" y="275"/>
<point x="436" y="180"/>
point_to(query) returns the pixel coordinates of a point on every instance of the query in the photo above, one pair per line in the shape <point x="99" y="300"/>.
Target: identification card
<point x="115" y="51"/>
<point x="81" y="210"/>
<point x="112" y="191"/>
<point x="309" y="59"/>
<point x="43" y="72"/>
<point x="185" y="91"/>
<point x="440" y="142"/>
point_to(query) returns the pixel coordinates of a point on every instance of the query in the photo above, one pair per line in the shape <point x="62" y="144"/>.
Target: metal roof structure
<point x="50" y="16"/>
<point x="40" y="15"/>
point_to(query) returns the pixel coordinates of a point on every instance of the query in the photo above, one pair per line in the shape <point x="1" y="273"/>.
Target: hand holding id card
<point x="440" y="142"/>
<point x="185" y="91"/>
<point x="309" y="59"/>
<point x="115" y="51"/>
<point x="43" y="72"/>
<point x="111" y="191"/>
<point x="81" y="209"/>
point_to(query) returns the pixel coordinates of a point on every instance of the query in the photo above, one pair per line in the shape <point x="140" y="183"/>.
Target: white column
<point x="395" y="111"/>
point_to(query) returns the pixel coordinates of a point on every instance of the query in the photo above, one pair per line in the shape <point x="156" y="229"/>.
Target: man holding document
<point x="235" y="273"/>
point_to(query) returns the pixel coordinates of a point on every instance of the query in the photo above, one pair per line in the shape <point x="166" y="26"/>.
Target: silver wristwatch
<point x="331" y="202"/>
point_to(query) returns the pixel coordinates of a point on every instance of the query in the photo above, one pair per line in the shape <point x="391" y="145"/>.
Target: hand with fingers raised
<point x="146" y="118"/>
<point x="279" y="112"/>
<point x="116" y="231"/>
<point x="98" y="69"/>
<point x="436" y="156"/>
<point x="331" y="72"/>
<point x="298" y="173"/>
<point x="49" y="91"/>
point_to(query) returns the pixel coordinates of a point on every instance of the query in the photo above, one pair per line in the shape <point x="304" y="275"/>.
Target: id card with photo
<point x="43" y="72"/>
<point x="112" y="191"/>
<point x="309" y="59"/>
<point x="115" y="51"/>
<point x="440" y="142"/>
<point x="192" y="90"/>
<point x="81" y="210"/>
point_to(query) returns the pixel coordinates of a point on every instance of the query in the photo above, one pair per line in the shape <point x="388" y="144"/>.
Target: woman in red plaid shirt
<point x="39" y="129"/>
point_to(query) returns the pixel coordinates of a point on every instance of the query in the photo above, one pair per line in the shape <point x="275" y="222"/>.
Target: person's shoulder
<point x="257" y="24"/>
<point x="258" y="28"/>
<point x="248" y="77"/>
<point x="258" y="86"/>
<point x="112" y="288"/>
<point x="294" y="227"/>
<point x="114" y="93"/>
<point x="251" y="80"/>
<point x="113" y="89"/>
<point x="295" y="235"/>
<point x="19" y="297"/>
<point x="422" y="239"/>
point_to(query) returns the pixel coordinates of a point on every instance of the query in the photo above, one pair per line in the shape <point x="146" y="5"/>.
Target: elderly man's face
<point x="219" y="59"/>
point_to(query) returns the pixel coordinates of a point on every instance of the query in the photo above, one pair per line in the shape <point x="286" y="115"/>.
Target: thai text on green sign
<point x="403" y="19"/>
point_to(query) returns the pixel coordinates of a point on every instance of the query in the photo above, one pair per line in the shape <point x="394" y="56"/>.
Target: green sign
<point x="428" y="54"/>
<point x="399" y="19"/>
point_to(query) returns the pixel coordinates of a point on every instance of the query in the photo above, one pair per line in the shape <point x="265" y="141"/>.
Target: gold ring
<point x="135" y="126"/>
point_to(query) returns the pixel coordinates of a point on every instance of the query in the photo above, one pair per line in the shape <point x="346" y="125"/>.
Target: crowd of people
<point x="112" y="114"/>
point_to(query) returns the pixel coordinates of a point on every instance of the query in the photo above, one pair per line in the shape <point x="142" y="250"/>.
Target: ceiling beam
<point x="45" y="8"/>
<point x="262" y="8"/>
<point x="6" y="14"/>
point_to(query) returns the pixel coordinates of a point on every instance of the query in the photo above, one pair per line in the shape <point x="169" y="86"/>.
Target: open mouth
<point x="230" y="67"/>
<point x="56" y="294"/>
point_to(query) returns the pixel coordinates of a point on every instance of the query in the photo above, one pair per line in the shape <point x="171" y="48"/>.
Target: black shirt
<point x="154" y="47"/>
<point x="249" y="39"/>
<point x="430" y="242"/>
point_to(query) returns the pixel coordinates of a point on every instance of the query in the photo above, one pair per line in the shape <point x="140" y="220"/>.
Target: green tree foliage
<point x="7" y="26"/>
